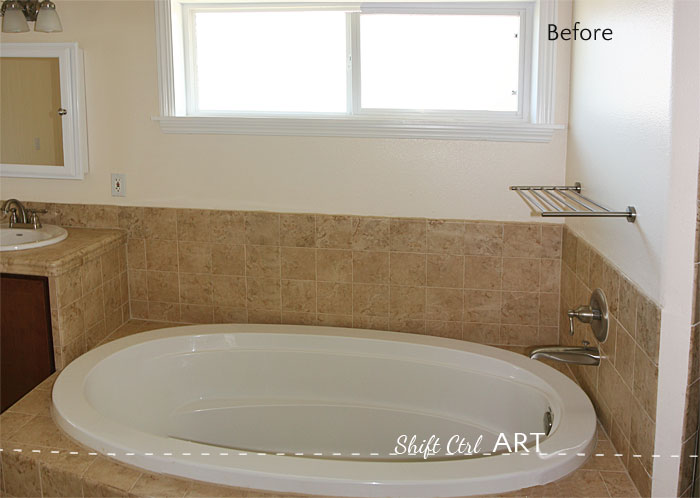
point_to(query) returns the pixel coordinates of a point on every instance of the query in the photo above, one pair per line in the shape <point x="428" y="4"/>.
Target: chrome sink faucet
<point x="6" y="209"/>
<point x="20" y="216"/>
<point x="596" y="313"/>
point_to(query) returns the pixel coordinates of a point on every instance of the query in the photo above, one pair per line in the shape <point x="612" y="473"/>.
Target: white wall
<point x="453" y="179"/>
<point x="677" y="281"/>
<point x="619" y="129"/>
<point x="633" y="140"/>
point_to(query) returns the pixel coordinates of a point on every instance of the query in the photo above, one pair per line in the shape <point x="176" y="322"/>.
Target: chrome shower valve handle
<point x="596" y="313"/>
<point x="584" y="314"/>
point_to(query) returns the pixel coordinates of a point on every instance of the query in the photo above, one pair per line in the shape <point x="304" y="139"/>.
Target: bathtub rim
<point x="573" y="433"/>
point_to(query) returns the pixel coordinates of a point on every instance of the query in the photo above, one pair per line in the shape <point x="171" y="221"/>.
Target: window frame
<point x="532" y="122"/>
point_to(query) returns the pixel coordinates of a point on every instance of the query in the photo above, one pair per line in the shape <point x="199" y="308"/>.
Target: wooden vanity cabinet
<point x="26" y="345"/>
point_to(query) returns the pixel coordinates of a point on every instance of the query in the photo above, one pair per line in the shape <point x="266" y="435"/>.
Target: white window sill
<point x="372" y="128"/>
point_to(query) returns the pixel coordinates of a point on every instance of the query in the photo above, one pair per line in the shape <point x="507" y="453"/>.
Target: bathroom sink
<point x="18" y="239"/>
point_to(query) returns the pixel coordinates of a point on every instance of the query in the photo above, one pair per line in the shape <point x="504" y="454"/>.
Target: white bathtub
<point x="320" y="410"/>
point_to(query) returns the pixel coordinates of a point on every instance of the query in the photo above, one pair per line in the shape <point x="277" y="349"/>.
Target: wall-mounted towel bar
<point x="568" y="201"/>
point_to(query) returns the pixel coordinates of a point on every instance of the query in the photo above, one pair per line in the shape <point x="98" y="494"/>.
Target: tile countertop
<point x="53" y="260"/>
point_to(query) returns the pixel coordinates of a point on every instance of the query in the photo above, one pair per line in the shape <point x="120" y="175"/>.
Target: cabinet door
<point x="26" y="346"/>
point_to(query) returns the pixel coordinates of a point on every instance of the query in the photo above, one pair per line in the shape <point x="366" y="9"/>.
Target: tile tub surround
<point x="690" y="428"/>
<point x="624" y="387"/>
<point x="88" y="287"/>
<point x="45" y="466"/>
<point x="488" y="282"/>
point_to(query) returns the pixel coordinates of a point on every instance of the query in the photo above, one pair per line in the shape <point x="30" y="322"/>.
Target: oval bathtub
<point x="324" y="410"/>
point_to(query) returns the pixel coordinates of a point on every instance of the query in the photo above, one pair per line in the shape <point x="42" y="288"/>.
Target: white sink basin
<point x="18" y="239"/>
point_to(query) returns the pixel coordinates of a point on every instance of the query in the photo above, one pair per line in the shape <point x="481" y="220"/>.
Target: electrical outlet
<point x="118" y="185"/>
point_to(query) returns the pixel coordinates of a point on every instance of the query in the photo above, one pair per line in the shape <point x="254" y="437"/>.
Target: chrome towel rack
<point x="568" y="201"/>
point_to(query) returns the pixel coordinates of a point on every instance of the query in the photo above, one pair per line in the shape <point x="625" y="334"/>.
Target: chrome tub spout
<point x="578" y="355"/>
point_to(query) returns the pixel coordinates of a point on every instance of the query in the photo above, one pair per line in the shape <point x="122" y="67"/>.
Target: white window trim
<point x="74" y="123"/>
<point x="479" y="126"/>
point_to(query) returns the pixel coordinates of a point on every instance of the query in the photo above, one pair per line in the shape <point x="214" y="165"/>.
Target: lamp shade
<point x="13" y="20"/>
<point x="47" y="20"/>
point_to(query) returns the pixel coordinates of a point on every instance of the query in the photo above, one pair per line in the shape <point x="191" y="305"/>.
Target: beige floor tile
<point x="619" y="484"/>
<point x="608" y="460"/>
<point x="154" y="485"/>
<point x="581" y="483"/>
<point x="47" y="384"/>
<point x="93" y="489"/>
<point x="11" y="422"/>
<point x="207" y="490"/>
<point x="514" y="494"/>
<point x="64" y="460"/>
<point x="112" y="474"/>
<point x="41" y="431"/>
<point x="36" y="402"/>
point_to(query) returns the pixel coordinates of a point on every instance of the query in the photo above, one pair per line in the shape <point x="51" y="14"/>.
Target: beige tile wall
<point x="88" y="303"/>
<point x="489" y="282"/>
<point x="624" y="387"/>
<point x="690" y="427"/>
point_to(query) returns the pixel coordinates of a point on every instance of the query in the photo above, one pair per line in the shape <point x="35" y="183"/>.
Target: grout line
<point x="41" y="480"/>
<point x="607" y="489"/>
<point x="352" y="284"/>
<point x="279" y="256"/>
<point x="316" y="315"/>
<point x="464" y="284"/>
<point x="245" y="267"/>
<point x="500" y="289"/>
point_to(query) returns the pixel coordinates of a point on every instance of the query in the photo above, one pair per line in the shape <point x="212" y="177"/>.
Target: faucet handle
<point x="581" y="312"/>
<point x="571" y="322"/>
<point x="596" y="313"/>
<point x="34" y="219"/>
<point x="585" y="314"/>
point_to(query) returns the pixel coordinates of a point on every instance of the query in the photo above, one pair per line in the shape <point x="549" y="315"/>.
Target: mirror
<point x="42" y="112"/>
<point x="30" y="122"/>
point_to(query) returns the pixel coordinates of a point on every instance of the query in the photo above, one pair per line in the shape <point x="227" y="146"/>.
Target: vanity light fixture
<point x="16" y="13"/>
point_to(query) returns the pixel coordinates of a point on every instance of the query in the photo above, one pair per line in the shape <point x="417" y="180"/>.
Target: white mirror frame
<point x="74" y="123"/>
